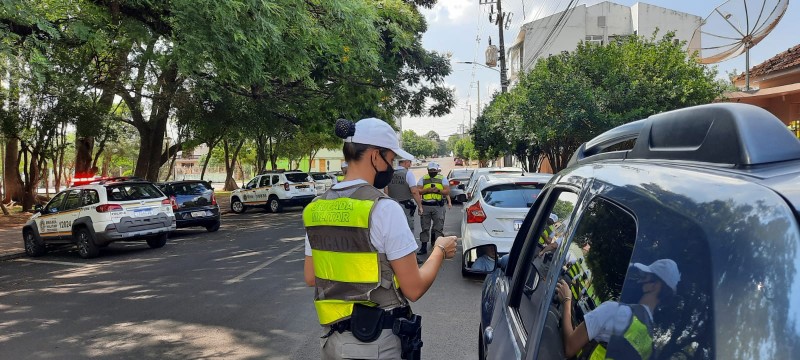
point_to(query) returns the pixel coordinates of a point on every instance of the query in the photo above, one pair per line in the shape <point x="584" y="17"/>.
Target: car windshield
<point x="195" y="188"/>
<point x="319" y="176"/>
<point x="461" y="174"/>
<point x="129" y="192"/>
<point x="297" y="177"/>
<point x="511" y="195"/>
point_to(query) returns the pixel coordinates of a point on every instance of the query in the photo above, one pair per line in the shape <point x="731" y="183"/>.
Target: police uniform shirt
<point x="610" y="318"/>
<point x="388" y="231"/>
<point x="409" y="177"/>
<point x="445" y="182"/>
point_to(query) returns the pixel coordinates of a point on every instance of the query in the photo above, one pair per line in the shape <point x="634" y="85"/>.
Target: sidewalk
<point x="11" y="235"/>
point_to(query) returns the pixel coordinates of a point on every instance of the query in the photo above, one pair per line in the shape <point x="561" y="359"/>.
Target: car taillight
<point x="286" y="186"/>
<point x="475" y="214"/>
<point x="213" y="199"/>
<point x="454" y="182"/>
<point x="108" y="207"/>
<point x="171" y="201"/>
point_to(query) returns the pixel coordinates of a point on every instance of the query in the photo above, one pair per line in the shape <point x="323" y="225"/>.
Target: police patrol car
<point x="93" y="216"/>
<point x="274" y="190"/>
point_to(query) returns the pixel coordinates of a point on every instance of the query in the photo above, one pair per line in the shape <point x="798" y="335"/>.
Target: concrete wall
<point x="651" y="17"/>
<point x="640" y="18"/>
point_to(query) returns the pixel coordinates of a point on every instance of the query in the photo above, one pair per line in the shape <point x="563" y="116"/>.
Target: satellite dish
<point x="736" y="26"/>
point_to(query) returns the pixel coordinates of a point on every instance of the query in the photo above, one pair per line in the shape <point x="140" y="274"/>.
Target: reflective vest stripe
<point x="340" y="178"/>
<point x="599" y="353"/>
<point x="428" y="183"/>
<point x="342" y="212"/>
<point x="639" y="337"/>
<point x="361" y="267"/>
<point x="329" y="311"/>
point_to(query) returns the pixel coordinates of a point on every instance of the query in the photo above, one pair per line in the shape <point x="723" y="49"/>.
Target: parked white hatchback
<point x="93" y="216"/>
<point x="494" y="213"/>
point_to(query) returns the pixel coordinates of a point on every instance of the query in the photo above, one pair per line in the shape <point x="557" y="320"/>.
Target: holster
<point x="410" y="333"/>
<point x="366" y="322"/>
<point x="410" y="205"/>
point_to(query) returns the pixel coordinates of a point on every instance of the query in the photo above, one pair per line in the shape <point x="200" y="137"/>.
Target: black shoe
<point x="423" y="249"/>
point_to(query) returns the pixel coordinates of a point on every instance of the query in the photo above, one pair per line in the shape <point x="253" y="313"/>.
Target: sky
<point x="454" y="26"/>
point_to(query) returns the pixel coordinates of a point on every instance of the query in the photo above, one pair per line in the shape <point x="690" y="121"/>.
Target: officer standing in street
<point x="433" y="188"/>
<point x="403" y="188"/>
<point x="360" y="254"/>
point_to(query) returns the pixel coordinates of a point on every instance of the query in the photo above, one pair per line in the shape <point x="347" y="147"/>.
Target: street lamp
<point x="476" y="63"/>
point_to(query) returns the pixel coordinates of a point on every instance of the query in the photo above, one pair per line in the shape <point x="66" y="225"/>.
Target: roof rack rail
<point x="724" y="133"/>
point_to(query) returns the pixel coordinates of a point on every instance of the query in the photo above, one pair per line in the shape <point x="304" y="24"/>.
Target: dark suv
<point x="714" y="188"/>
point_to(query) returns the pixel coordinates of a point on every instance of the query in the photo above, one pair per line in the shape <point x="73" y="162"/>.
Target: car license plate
<point x="198" y="213"/>
<point x="142" y="212"/>
<point x="517" y="225"/>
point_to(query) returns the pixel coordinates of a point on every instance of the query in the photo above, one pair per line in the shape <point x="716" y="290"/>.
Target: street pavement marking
<point x="55" y="262"/>
<point x="259" y="267"/>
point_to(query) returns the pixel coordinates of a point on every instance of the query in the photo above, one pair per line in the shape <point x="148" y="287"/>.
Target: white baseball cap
<point x="376" y="132"/>
<point x="553" y="217"/>
<point x="665" y="269"/>
<point x="433" y="166"/>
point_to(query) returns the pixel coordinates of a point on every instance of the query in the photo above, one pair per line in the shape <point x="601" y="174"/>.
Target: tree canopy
<point x="569" y="98"/>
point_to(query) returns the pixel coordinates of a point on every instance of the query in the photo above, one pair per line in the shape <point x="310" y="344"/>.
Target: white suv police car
<point x="274" y="190"/>
<point x="93" y="216"/>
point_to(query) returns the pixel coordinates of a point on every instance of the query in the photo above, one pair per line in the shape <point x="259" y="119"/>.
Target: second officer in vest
<point x="403" y="188"/>
<point x="360" y="254"/>
<point x="435" y="190"/>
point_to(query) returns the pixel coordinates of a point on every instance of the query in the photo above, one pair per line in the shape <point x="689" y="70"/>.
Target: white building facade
<point x="598" y="23"/>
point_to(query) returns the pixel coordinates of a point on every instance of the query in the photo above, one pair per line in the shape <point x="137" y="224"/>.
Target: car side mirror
<point x="37" y="208"/>
<point x="461" y="198"/>
<point x="481" y="259"/>
<point x="461" y="186"/>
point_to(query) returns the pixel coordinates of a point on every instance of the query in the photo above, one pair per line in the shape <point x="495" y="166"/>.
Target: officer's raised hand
<point x="449" y="245"/>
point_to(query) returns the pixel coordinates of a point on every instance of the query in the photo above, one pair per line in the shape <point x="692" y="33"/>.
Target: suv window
<point x="252" y="183"/>
<point x="536" y="268"/>
<point x="276" y="179"/>
<point x="130" y="192"/>
<point x="73" y="200"/>
<point x="264" y="182"/>
<point x="511" y="195"/>
<point x="297" y="177"/>
<point x="90" y="197"/>
<point x="594" y="264"/>
<point x="320" y="177"/>
<point x="55" y="204"/>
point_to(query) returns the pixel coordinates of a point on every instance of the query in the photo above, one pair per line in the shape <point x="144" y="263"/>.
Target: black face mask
<point x="433" y="173"/>
<point x="383" y="178"/>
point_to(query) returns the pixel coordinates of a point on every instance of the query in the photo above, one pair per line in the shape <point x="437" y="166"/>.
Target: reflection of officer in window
<point x="627" y="328"/>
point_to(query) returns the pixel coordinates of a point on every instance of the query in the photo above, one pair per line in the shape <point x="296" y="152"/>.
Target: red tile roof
<point x="783" y="61"/>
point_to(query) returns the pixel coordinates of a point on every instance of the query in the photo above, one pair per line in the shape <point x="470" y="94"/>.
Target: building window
<point x="794" y="126"/>
<point x="595" y="39"/>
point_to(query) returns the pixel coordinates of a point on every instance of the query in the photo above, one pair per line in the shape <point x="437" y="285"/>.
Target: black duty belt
<point x="433" y="203"/>
<point x="388" y="320"/>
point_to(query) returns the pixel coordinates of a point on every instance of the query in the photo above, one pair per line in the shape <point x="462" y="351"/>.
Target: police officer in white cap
<point x="630" y="326"/>
<point x="435" y="190"/>
<point x="340" y="178"/>
<point x="404" y="189"/>
<point x="360" y="254"/>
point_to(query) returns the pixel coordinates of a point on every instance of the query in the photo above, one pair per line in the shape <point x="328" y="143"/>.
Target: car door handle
<point x="488" y="335"/>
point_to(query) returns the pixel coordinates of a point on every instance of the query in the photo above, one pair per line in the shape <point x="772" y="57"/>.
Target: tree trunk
<point x="230" y="164"/>
<point x="11" y="175"/>
<point x="211" y="146"/>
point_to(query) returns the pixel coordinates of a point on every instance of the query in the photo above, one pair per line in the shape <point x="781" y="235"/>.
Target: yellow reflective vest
<point x="347" y="267"/>
<point x="432" y="182"/>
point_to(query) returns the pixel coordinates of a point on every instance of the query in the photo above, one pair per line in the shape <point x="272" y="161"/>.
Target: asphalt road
<point x="235" y="294"/>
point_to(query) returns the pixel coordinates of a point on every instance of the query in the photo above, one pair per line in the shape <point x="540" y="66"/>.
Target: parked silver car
<point x="459" y="179"/>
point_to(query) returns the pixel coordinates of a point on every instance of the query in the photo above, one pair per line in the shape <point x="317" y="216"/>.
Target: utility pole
<point x="502" y="20"/>
<point x="479" y="103"/>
